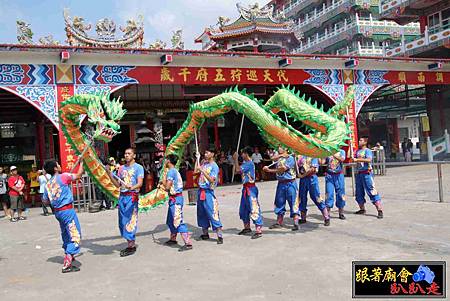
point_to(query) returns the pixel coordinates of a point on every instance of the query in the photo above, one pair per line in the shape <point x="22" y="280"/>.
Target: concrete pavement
<point x="311" y="264"/>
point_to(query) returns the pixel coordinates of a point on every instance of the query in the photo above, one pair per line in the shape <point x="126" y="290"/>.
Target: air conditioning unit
<point x="352" y="63"/>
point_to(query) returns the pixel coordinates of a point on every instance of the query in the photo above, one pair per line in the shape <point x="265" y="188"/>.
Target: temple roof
<point x="252" y="19"/>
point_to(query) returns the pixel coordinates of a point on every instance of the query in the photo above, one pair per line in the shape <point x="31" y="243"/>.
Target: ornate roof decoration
<point x="177" y="39"/>
<point x="77" y="33"/>
<point x="254" y="12"/>
<point x="252" y="19"/>
<point x="48" y="40"/>
<point x="158" y="44"/>
<point x="24" y="33"/>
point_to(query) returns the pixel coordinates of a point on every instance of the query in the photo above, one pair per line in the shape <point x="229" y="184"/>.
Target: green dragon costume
<point x="328" y="131"/>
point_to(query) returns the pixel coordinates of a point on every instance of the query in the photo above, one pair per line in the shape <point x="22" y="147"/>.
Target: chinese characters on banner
<point x="68" y="157"/>
<point x="416" y="77"/>
<point x="351" y="118"/>
<point x="227" y="76"/>
<point x="238" y="76"/>
<point x="396" y="278"/>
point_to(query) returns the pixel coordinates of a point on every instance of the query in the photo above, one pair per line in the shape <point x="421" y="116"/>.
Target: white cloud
<point x="163" y="17"/>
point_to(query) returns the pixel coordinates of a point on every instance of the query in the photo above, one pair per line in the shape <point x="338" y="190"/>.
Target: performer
<point x="249" y="207"/>
<point x="58" y="193"/>
<point x="286" y="188"/>
<point x="309" y="182"/>
<point x="335" y="182"/>
<point x="173" y="184"/>
<point x="131" y="176"/>
<point x="208" y="206"/>
<point x="364" y="179"/>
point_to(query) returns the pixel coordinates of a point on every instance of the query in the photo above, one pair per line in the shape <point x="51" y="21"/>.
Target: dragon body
<point x="328" y="131"/>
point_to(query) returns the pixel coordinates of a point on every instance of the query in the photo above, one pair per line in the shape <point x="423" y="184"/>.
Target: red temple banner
<point x="68" y="157"/>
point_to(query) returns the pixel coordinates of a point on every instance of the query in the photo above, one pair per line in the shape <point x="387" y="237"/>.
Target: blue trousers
<point x="311" y="185"/>
<point x="249" y="208"/>
<point x="208" y="210"/>
<point x="70" y="230"/>
<point x="286" y="191"/>
<point x="128" y="217"/>
<point x="364" y="182"/>
<point x="175" y="215"/>
<point x="335" y="183"/>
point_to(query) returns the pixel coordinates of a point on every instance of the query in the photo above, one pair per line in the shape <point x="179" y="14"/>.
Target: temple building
<point x="255" y="30"/>
<point x="343" y="27"/>
<point x="433" y="42"/>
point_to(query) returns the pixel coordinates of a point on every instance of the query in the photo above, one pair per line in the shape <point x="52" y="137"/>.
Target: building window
<point x="445" y="18"/>
<point x="434" y="20"/>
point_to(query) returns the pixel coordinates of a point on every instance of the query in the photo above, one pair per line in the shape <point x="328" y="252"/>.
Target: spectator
<point x="43" y="179"/>
<point x="257" y="160"/>
<point x="16" y="185"/>
<point x="34" y="183"/>
<point x="223" y="164"/>
<point x="112" y="163"/>
<point x="4" y="199"/>
<point x="378" y="146"/>
<point x="405" y="147"/>
<point x="409" y="149"/>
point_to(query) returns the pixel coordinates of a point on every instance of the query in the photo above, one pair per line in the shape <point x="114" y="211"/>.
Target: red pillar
<point x="132" y="135"/>
<point x="51" y="143"/>
<point x="40" y="143"/>
<point x="216" y="136"/>
<point x="203" y="139"/>
<point x="423" y="21"/>
<point x="396" y="134"/>
<point x="66" y="153"/>
<point x="106" y="148"/>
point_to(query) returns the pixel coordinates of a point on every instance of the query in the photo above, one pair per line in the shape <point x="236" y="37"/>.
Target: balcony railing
<point x="431" y="36"/>
<point x="315" y="15"/>
<point x="293" y="4"/>
<point x="366" y="27"/>
<point x="386" y="5"/>
<point x="319" y="38"/>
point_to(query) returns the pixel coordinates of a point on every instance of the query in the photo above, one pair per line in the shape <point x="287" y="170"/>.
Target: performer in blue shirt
<point x="286" y="188"/>
<point x="131" y="176"/>
<point x="249" y="207"/>
<point x="173" y="184"/>
<point x="335" y="182"/>
<point x="364" y="179"/>
<point x="58" y="192"/>
<point x="309" y="182"/>
<point x="207" y="205"/>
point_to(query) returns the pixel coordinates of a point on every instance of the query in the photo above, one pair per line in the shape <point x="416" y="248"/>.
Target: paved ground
<point x="312" y="264"/>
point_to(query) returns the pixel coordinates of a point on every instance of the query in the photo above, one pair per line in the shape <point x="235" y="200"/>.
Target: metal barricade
<point x="83" y="193"/>
<point x="379" y="162"/>
<point x="399" y="164"/>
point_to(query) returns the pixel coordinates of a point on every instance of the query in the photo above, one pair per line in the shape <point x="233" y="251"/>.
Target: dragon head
<point x="103" y="116"/>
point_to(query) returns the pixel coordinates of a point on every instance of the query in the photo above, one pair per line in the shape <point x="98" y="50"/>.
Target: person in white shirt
<point x="43" y="178"/>
<point x="257" y="160"/>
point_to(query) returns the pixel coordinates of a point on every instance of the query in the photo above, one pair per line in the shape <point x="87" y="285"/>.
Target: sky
<point x="160" y="17"/>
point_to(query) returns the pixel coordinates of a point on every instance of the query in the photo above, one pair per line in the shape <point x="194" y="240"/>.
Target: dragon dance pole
<point x="196" y="148"/>
<point x="82" y="154"/>
<point x="238" y="144"/>
<point x="351" y="155"/>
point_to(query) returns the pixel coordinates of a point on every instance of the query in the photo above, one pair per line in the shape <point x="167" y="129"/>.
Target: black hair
<point x="132" y="149"/>
<point x="173" y="159"/>
<point x="211" y="150"/>
<point x="247" y="150"/>
<point x="49" y="167"/>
